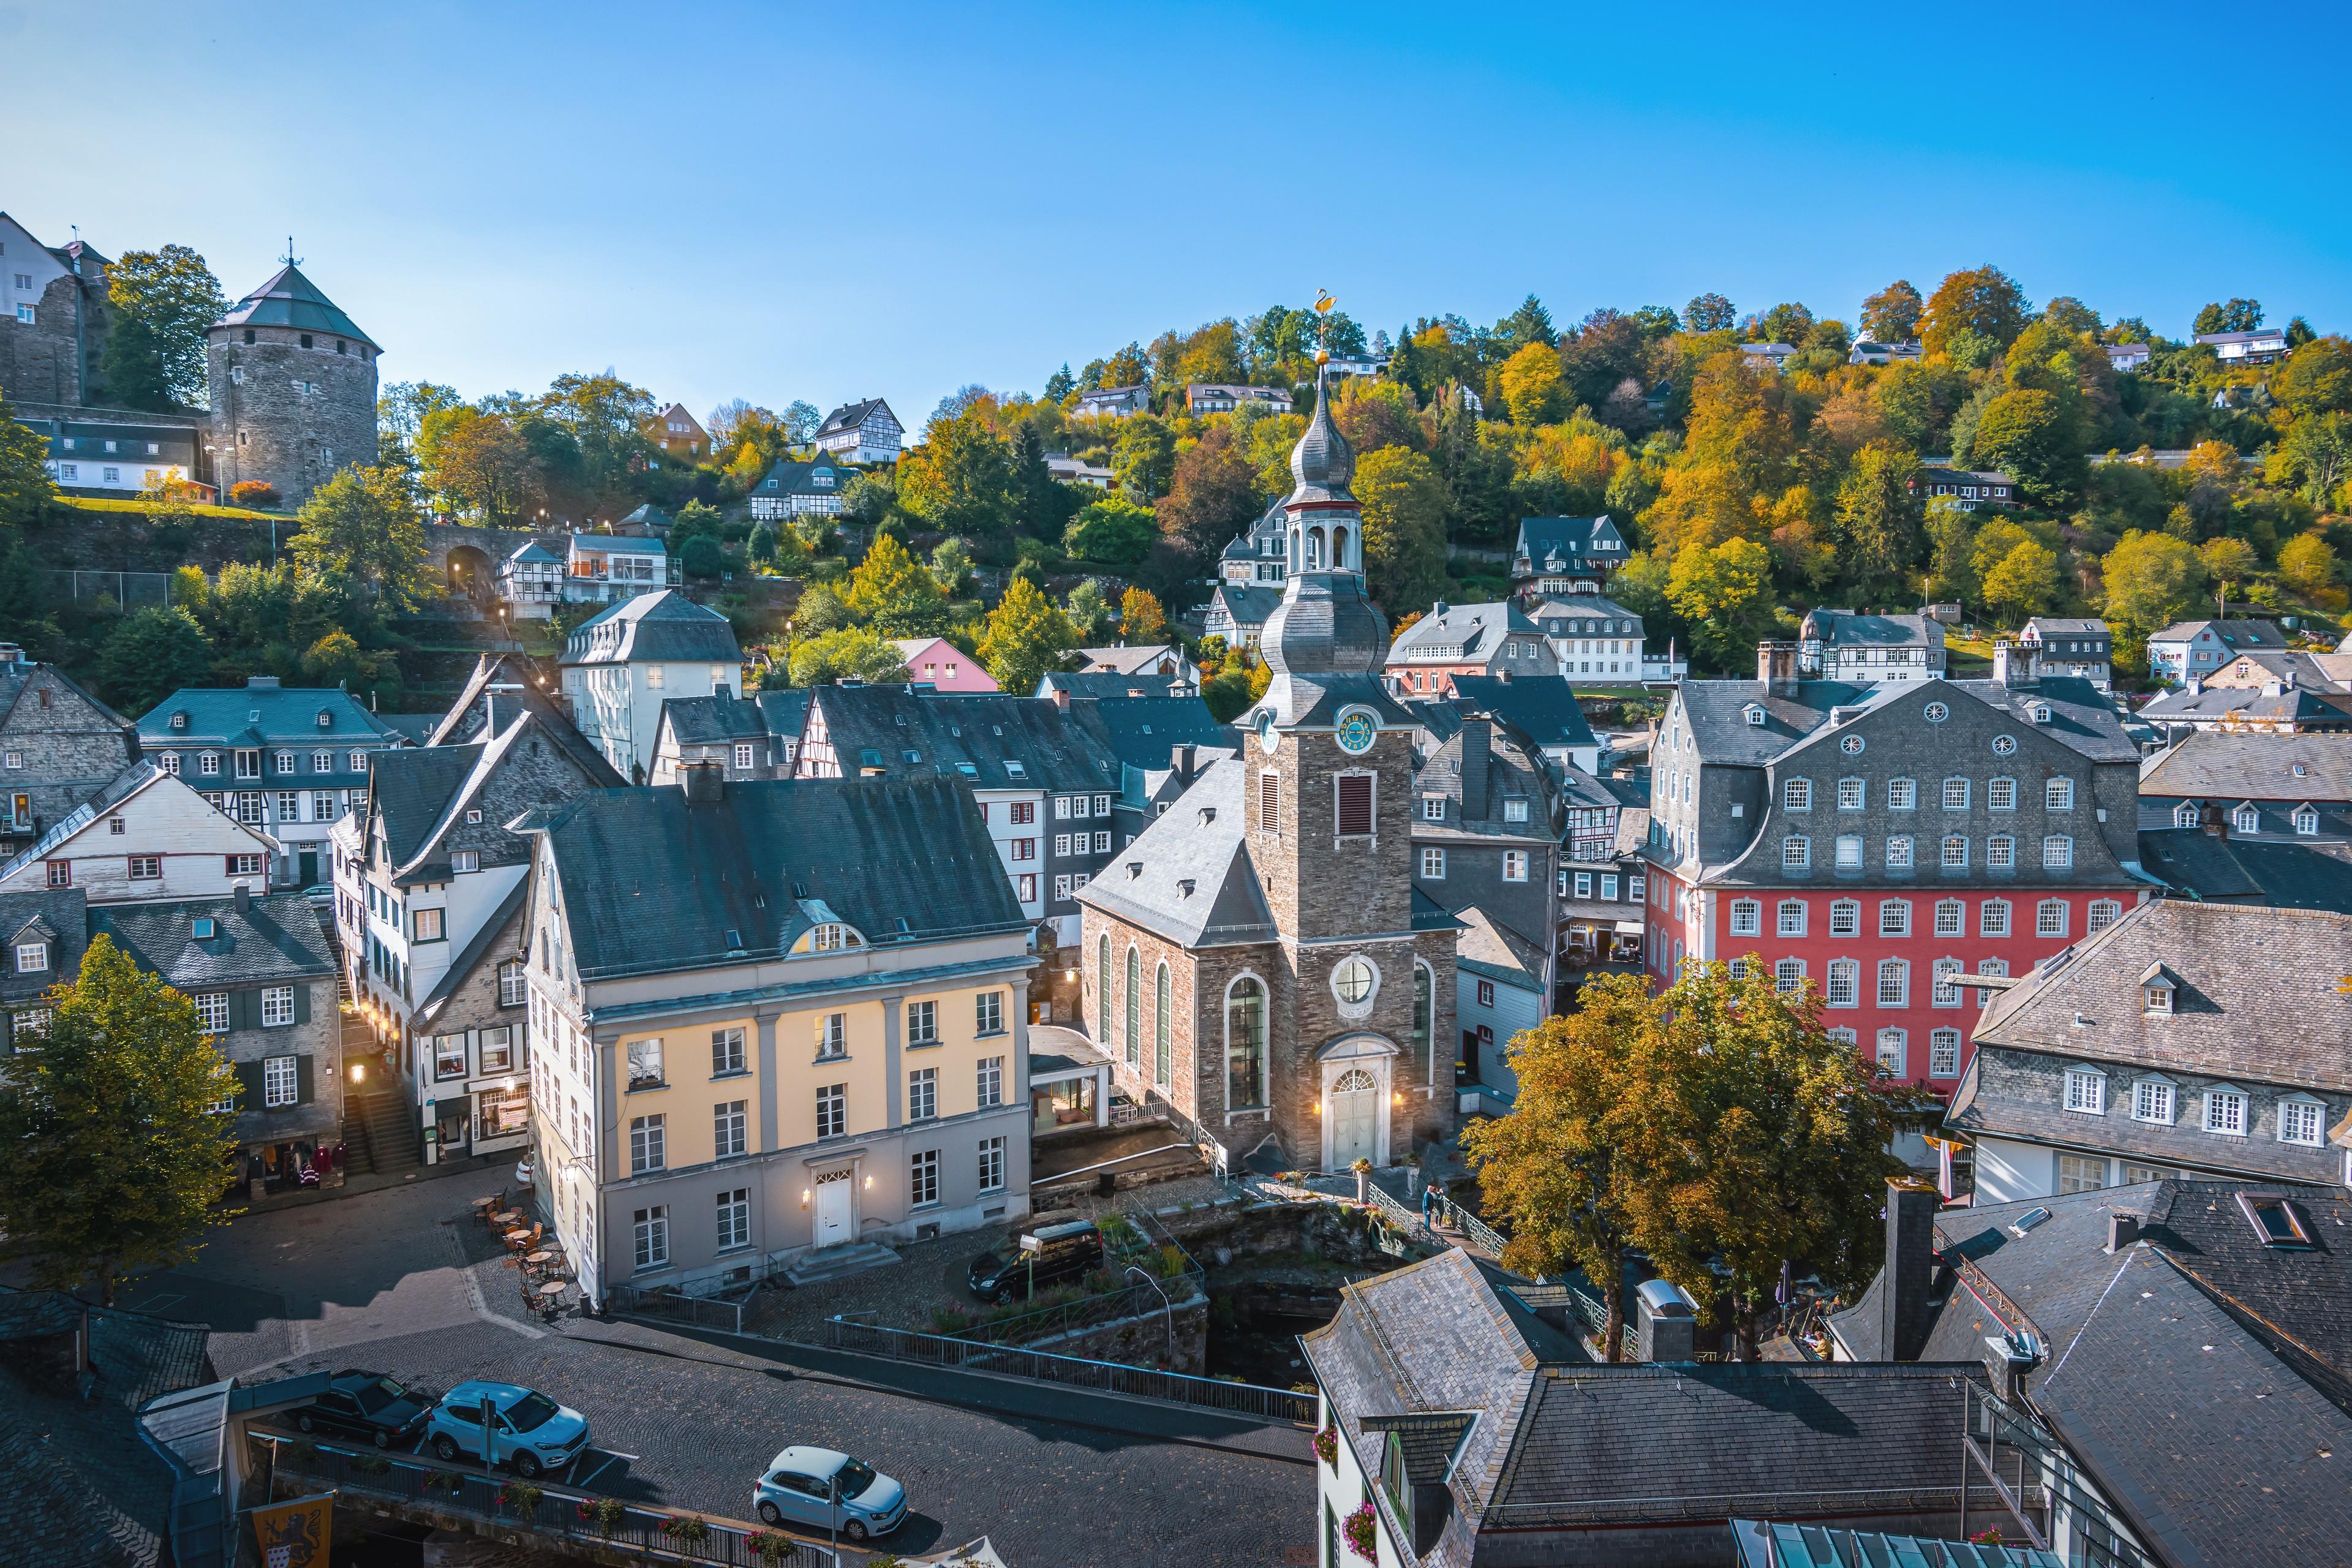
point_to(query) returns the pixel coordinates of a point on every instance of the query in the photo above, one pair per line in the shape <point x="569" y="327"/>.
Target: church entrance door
<point x="1355" y="1109"/>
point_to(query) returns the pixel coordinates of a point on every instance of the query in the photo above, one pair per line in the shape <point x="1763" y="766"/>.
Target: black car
<point x="1022" y="1265"/>
<point x="369" y="1404"/>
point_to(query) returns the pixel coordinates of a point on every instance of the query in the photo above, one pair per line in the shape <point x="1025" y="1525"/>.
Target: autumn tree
<point x="1891" y="315"/>
<point x="2029" y="436"/>
<point x="2227" y="560"/>
<point x="1213" y="495"/>
<point x="360" y="529"/>
<point x="112" y="1153"/>
<point x="959" y="481"/>
<point x="2308" y="562"/>
<point x="2236" y="316"/>
<point x="1709" y="313"/>
<point x="892" y="592"/>
<point x="163" y="301"/>
<point x="1532" y="386"/>
<point x="1550" y="1173"/>
<point x="847" y="653"/>
<point x="2152" y="580"/>
<point x="1141" y="619"/>
<point x="2316" y="378"/>
<point x="1754" y="1140"/>
<point x="1404" y="528"/>
<point x="2025" y="583"/>
<point x="1025" y="638"/>
<point x="1982" y="299"/>
<point x="1724" y="592"/>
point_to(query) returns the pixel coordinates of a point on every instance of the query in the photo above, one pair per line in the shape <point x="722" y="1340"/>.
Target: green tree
<point x="1754" y="1139"/>
<point x="1709" y="313"/>
<point x="1112" y="529"/>
<point x="1790" y="323"/>
<point x="959" y="481"/>
<point x="950" y="566"/>
<point x="1550" y="1171"/>
<point x="1404" y="528"/>
<point x="2316" y="378"/>
<point x="891" y="591"/>
<point x="1143" y="457"/>
<point x="2025" y="583"/>
<point x="151" y="654"/>
<point x="1026" y="637"/>
<point x="761" y="548"/>
<point x="871" y="500"/>
<point x="2228" y="560"/>
<point x="27" y="491"/>
<point x="1951" y="533"/>
<point x="2318" y="450"/>
<point x="1532" y="385"/>
<point x="112" y="1155"/>
<point x="1724" y="592"/>
<point x="2029" y="436"/>
<point x="337" y="659"/>
<point x="1090" y="611"/>
<point x="2152" y="581"/>
<point x="162" y="301"/>
<point x="360" y="529"/>
<point x="1878" y="514"/>
<point x="2236" y="316"/>
<point x="1142" y="621"/>
<point x="847" y="653"/>
<point x="702" y="558"/>
<point x="2308" y="562"/>
<point x="1980" y="299"/>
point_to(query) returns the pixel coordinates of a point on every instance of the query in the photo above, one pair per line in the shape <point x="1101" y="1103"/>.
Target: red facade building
<point x="1871" y="840"/>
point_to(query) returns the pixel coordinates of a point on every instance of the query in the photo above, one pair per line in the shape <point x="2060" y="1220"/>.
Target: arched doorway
<point x="1355" y="1116"/>
<point x="1356" y="1073"/>
<point x="472" y="574"/>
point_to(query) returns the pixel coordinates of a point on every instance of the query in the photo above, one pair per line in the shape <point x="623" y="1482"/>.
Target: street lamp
<point x="1166" y="1303"/>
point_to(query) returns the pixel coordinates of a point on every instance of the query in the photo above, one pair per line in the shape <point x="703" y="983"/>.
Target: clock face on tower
<point x="1357" y="731"/>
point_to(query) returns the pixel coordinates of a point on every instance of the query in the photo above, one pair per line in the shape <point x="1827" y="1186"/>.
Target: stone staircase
<point x="380" y="1135"/>
<point x="833" y="1262"/>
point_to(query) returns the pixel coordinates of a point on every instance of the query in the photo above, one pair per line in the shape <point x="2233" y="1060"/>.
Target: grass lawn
<point x="233" y="513"/>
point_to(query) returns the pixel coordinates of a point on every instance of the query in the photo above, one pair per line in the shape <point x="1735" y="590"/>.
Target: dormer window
<point x="179" y="720"/>
<point x="2307" y="819"/>
<point x="1015" y="770"/>
<point x="2185" y="815"/>
<point x="2086" y="1091"/>
<point x="2246" y="818"/>
<point x="2157" y="988"/>
<point x="2042" y="712"/>
<point x="326" y="719"/>
<point x="204" y="928"/>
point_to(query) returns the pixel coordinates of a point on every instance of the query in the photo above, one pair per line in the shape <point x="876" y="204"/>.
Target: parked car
<point x="828" y="1489"/>
<point x="1020" y="1265"/>
<point x="369" y="1404"/>
<point x="528" y="1429"/>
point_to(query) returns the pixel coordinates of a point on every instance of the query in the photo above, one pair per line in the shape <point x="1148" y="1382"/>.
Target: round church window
<point x="1353" y="982"/>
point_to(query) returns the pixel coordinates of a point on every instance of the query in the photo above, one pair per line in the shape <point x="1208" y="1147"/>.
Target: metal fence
<point x="653" y="1534"/>
<point x="1105" y="1377"/>
<point x="125" y="588"/>
<point x="1456" y="1218"/>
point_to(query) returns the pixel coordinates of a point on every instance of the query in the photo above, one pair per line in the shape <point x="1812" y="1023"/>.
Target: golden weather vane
<point x="1324" y="303"/>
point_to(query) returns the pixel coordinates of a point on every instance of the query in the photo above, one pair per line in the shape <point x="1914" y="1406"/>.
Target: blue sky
<point x="783" y="201"/>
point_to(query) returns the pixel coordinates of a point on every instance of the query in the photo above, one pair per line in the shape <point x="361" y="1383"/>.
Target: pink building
<point x="938" y="662"/>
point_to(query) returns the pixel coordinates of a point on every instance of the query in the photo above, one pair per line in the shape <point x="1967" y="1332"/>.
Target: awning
<point x="1628" y="928"/>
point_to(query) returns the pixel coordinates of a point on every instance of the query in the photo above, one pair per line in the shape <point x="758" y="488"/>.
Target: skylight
<point x="1015" y="769"/>
<point x="2276" y="1221"/>
<point x="2029" y="1219"/>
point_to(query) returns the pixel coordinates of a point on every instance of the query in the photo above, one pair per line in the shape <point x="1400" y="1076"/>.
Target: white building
<point x="1839" y="645"/>
<point x="606" y="568"/>
<point x="530" y="582"/>
<point x="1599" y="642"/>
<point x="144" y="838"/>
<point x="2258" y="347"/>
<point x="620" y="667"/>
<point x="2126" y="358"/>
<point x="861" y="432"/>
<point x="1114" y="402"/>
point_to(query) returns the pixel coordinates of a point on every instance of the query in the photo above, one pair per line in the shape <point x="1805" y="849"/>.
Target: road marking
<point x="611" y="1458"/>
<point x="156" y="1304"/>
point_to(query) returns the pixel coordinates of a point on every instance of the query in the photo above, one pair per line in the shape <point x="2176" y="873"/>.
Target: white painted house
<point x="606" y="568"/>
<point x="144" y="838"/>
<point x="621" y="666"/>
<point x="530" y="582"/>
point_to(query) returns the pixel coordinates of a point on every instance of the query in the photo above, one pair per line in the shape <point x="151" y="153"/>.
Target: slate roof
<point x="2287" y="874"/>
<point x="500" y="691"/>
<point x="1544" y="709"/>
<point x="1188" y="876"/>
<point x="1716" y="710"/>
<point x="789" y="478"/>
<point x="79" y="1485"/>
<point x="139" y="775"/>
<point x="653" y="882"/>
<point x="1569" y="537"/>
<point x="412" y="792"/>
<point x="1141" y="658"/>
<point x="1459" y="633"/>
<point x="263" y="716"/>
<point x="2080" y="715"/>
<point x="2210" y="763"/>
<point x="1094" y="685"/>
<point x="967" y="736"/>
<point x="535" y="554"/>
<point x="495" y="934"/>
<point x="290" y="300"/>
<point x="664" y="625"/>
<point x="715" y="720"/>
<point x="1142" y="731"/>
<point x="2048" y="627"/>
<point x="2245" y="703"/>
<point x="1511" y="774"/>
<point x="1560" y="616"/>
<point x="2236" y="635"/>
<point x="55" y="915"/>
<point x="787" y="710"/>
<point x="647" y="516"/>
<point x="1248" y="603"/>
<point x="852" y="417"/>
<point x="2257" y="997"/>
<point x="273" y="938"/>
<point x="1488" y="947"/>
<point x="16" y="678"/>
<point x="1845" y="628"/>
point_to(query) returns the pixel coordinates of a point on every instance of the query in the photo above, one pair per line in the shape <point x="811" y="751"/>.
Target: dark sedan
<point x="369" y="1404"/>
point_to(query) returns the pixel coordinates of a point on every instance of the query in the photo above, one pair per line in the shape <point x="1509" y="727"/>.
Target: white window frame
<point x="1844" y="986"/>
<point x="1789" y="918"/>
<point x="2225" y="1112"/>
<point x="1797" y="794"/>
<point x="1433" y="865"/>
<point x="277" y="1006"/>
<point x="1956" y="794"/>
<point x="2302" y="1121"/>
<point x="281" y="1082"/>
<point x="1902" y="795"/>
<point x="649" y="1237"/>
<point x="1987" y="922"/>
<point x="1846" y="918"/>
<point x="1946" y="994"/>
<point x="2057" y="852"/>
<point x="1789" y="975"/>
<point x="211" y="1011"/>
<point x="1514" y="865"/>
<point x="2058" y="795"/>
<point x="1894" y="916"/>
<point x="1898" y="852"/>
<point x="2085" y="1092"/>
<point x="1943" y="1053"/>
<point x="1747" y="914"/>
<point x="2050" y="918"/>
<point x="1951" y="917"/>
<point x="1796" y="853"/>
<point x="2154" y="1100"/>
<point x="1894" y="983"/>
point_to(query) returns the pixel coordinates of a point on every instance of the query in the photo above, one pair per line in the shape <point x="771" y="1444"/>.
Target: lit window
<point x="2086" y="1091"/>
<point x="1956" y="852"/>
<point x="2081" y="1172"/>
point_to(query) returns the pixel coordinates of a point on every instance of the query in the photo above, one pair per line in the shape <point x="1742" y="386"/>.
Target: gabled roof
<point x="2210" y="763"/>
<point x="2081" y="716"/>
<point x="135" y="780"/>
<point x="1248" y="603"/>
<point x="1717" y="712"/>
<point x="1845" y="628"/>
<point x="500" y="691"/>
<point x="2284" y="873"/>
<point x="1126" y="660"/>
<point x="16" y="678"/>
<point x="851" y="415"/>
<point x="1460" y="633"/>
<point x="1569" y="540"/>
<point x="1098" y="685"/>
<point x="2245" y="703"/>
<point x="647" y="516"/>
<point x="971" y="737"/>
<point x="2257" y="999"/>
<point x="2237" y="636"/>
<point x="652" y="880"/>
<point x="800" y="478"/>
<point x="2061" y="626"/>
<point x="272" y="938"/>
<point x="1543" y="709"/>
<point x="1488" y="947"/>
<point x="62" y="911"/>
<point x="1188" y="877"/>
<point x="1143" y="731"/>
<point x="263" y="714"/>
<point x="412" y="794"/>
<point x="290" y="300"/>
<point x="652" y="627"/>
<point x="535" y="554"/>
<point x="714" y="720"/>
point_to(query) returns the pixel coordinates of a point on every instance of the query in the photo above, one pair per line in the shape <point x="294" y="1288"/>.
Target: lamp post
<point x="1168" y="1306"/>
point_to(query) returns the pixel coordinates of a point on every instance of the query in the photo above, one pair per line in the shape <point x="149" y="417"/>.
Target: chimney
<point x="2196" y="684"/>
<point x="1903" y="1320"/>
<point x="704" y="783"/>
<point x="1666" y="1323"/>
<point x="1776" y="668"/>
<point x="1062" y="698"/>
<point x="240" y="898"/>
<point x="2215" y="820"/>
<point x="1181" y="761"/>
<point x="10" y="654"/>
<point x="2011" y="1358"/>
<point x="1477" y="742"/>
<point x="261" y="683"/>
<point x="2123" y="1229"/>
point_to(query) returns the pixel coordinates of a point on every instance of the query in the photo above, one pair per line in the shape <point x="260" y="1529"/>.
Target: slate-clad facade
<point x="772" y="1018"/>
<point x="1867" y="838"/>
<point x="59" y="747"/>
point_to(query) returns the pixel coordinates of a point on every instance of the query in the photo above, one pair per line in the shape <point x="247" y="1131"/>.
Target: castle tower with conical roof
<point x="293" y="383"/>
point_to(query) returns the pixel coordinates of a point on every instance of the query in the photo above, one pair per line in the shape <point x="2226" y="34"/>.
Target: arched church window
<point x="1134" y="1007"/>
<point x="1355" y="1080"/>
<point x="1245" y="1044"/>
<point x="1422" y="1020"/>
<point x="1102" y="991"/>
<point x="1163" y="1058"/>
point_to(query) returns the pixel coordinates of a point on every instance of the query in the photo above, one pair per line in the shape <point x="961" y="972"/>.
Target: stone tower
<point x="293" y="383"/>
<point x="1366" y="983"/>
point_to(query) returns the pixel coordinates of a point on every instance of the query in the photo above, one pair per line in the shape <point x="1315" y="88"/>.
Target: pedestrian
<point x="1432" y="1203"/>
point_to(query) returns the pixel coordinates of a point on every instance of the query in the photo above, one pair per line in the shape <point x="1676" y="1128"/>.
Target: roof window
<point x="2028" y="1220"/>
<point x="1015" y="770"/>
<point x="734" y="938"/>
<point x="968" y="770"/>
<point x="2276" y="1221"/>
<point x="206" y="928"/>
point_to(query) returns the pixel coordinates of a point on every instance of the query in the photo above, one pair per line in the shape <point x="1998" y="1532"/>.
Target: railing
<point x="1132" y="1300"/>
<point x="1456" y="1218"/>
<point x="1403" y="1218"/>
<point x="655" y="1534"/>
<point x="1594" y="1313"/>
<point x="1106" y="1377"/>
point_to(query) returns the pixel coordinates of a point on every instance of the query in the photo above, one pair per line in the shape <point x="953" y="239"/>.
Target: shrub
<point x="950" y="1320"/>
<point x="1170" y="1261"/>
<point x="253" y="493"/>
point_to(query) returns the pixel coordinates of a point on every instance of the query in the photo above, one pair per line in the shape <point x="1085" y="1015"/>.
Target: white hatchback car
<point x="824" y="1489"/>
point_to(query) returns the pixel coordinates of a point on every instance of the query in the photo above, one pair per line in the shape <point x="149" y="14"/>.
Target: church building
<point x="1258" y="961"/>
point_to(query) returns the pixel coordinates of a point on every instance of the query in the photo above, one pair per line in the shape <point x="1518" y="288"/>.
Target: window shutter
<point x="248" y="1084"/>
<point x="301" y="1001"/>
<point x="245" y="1009"/>
<point x="1355" y="804"/>
<point x="302" y="1084"/>
<point x="1269" y="801"/>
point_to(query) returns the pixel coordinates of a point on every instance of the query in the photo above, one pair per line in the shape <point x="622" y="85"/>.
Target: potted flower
<point x="1362" y="1534"/>
<point x="520" y="1498"/>
<point x="1327" y="1446"/>
<point x="1363" y="1168"/>
<point x="605" y="1514"/>
<point x="687" y="1532"/>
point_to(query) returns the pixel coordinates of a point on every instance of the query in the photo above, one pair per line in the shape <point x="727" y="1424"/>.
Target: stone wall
<point x="289" y="415"/>
<point x="1177" y="1342"/>
<point x="40" y="362"/>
